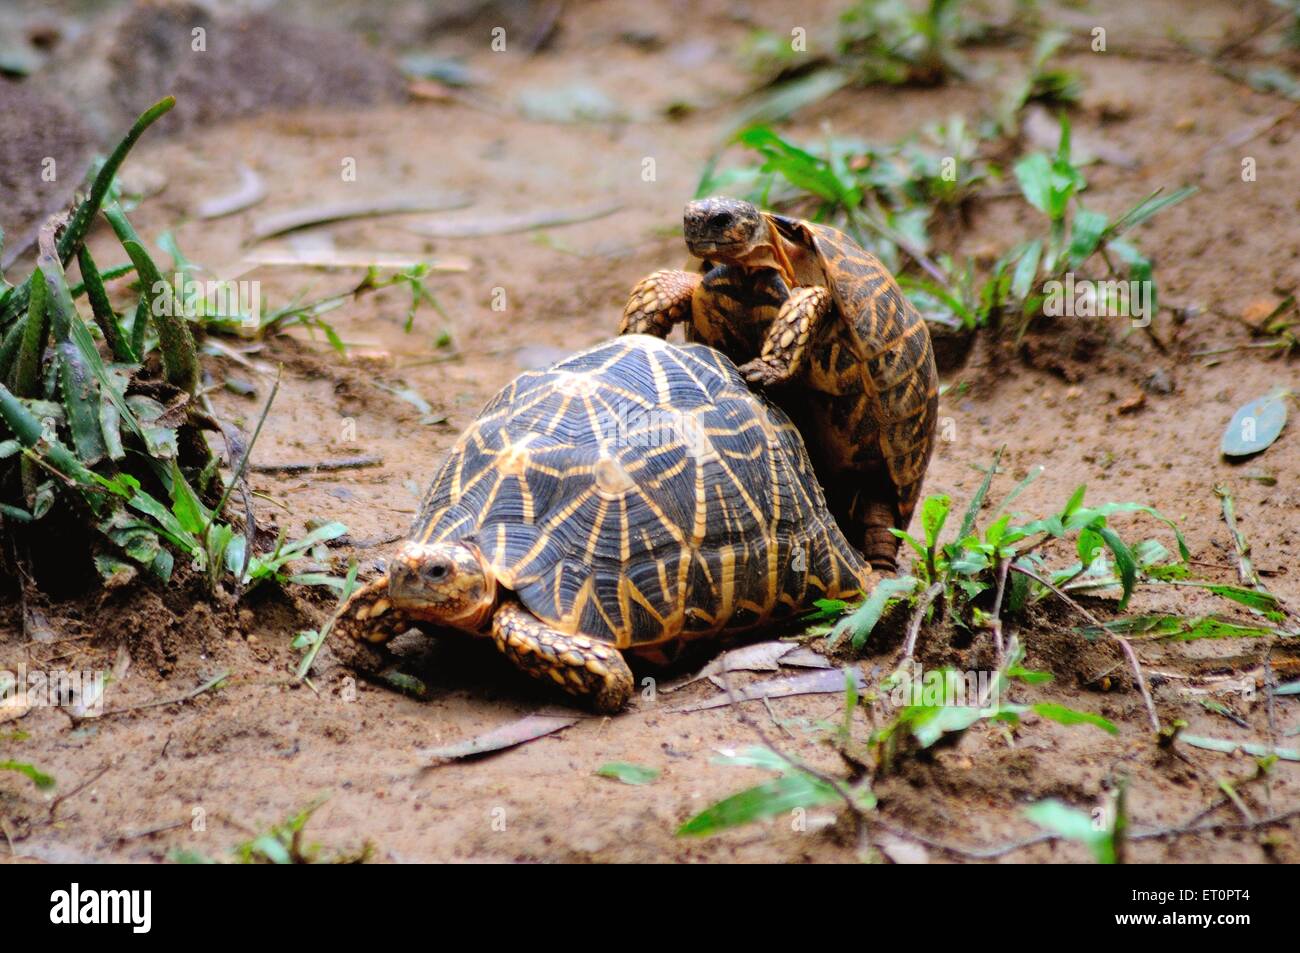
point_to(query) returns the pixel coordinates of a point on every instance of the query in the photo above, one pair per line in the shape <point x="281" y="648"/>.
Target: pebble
<point x="1159" y="382"/>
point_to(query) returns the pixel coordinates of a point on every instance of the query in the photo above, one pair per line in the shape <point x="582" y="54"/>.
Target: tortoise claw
<point x="760" y="373"/>
<point x="364" y="624"/>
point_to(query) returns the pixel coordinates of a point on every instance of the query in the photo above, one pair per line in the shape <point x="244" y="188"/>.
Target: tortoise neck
<point x="479" y="616"/>
<point x="774" y="252"/>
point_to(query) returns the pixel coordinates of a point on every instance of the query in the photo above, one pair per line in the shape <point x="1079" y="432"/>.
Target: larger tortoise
<point x="634" y="497"/>
<point x="803" y="309"/>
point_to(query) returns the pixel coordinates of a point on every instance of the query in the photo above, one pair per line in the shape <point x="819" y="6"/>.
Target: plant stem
<point x="1123" y="642"/>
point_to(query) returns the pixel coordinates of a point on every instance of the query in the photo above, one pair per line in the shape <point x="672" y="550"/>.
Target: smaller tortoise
<point x="634" y="497"/>
<point x="803" y="309"/>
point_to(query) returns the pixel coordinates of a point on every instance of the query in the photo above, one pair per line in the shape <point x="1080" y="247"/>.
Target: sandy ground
<point x="264" y="746"/>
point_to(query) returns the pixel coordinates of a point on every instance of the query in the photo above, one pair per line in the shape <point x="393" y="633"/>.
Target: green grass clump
<point x="89" y="428"/>
<point x="887" y="198"/>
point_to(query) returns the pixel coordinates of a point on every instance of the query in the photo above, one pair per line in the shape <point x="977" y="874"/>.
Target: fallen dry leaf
<point x="823" y="682"/>
<point x="510" y="735"/>
<point x="1133" y="404"/>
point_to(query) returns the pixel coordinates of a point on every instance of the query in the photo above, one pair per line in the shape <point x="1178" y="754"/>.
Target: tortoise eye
<point x="437" y="571"/>
<point x="720" y="220"/>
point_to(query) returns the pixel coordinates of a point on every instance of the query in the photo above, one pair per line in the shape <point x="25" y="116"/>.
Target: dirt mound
<point x="44" y="146"/>
<point x="219" y="66"/>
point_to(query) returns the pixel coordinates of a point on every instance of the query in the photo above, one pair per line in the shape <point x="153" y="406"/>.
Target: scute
<point x="638" y="492"/>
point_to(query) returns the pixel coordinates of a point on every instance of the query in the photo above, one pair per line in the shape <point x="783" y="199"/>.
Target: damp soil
<point x="202" y="774"/>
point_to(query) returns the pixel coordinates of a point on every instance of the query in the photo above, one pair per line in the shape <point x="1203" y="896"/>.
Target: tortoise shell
<point x="884" y="340"/>
<point x="639" y="493"/>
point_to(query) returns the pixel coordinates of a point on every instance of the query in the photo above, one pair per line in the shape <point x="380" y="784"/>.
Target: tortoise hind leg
<point x="867" y="525"/>
<point x="591" y="670"/>
<point x="879" y="545"/>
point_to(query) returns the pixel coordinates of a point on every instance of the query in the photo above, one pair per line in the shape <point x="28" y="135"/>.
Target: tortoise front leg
<point x="591" y="670"/>
<point x="787" y="340"/>
<point x="364" y="624"/>
<point x="658" y="302"/>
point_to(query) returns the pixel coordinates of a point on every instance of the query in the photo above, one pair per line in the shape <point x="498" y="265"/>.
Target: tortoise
<point x="635" y="497"/>
<point x="807" y="312"/>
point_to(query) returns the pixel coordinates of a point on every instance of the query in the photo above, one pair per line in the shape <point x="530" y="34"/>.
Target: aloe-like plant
<point x="91" y="429"/>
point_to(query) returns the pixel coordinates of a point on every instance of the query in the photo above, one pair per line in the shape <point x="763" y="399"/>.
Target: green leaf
<point x="1085" y="235"/>
<point x="977" y="501"/>
<point x="801" y="169"/>
<point x="1022" y="279"/>
<point x="40" y="779"/>
<point x="863" y="619"/>
<point x="929" y="724"/>
<point x="1227" y="746"/>
<point x="190" y="512"/>
<point x="1179" y="628"/>
<point x="1108" y="509"/>
<point x="1034" y="173"/>
<point x="784" y="794"/>
<point x="180" y="358"/>
<point x="1149" y="206"/>
<point x="934" y="513"/>
<point x="1073" y="824"/>
<point x="113" y="571"/>
<point x="1124" y="561"/>
<point x="1069" y="716"/>
<point x="270" y="847"/>
<point x="1255" y="425"/>
<point x="825" y="609"/>
<point x="627" y="772"/>
<point x="81" y="400"/>
<point x="1028" y="676"/>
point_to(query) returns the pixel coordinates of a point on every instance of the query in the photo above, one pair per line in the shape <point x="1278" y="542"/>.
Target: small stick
<point x="192" y="694"/>
<point x="150" y="831"/>
<point x="305" y="466"/>
<point x="238" y="475"/>
<point x="1245" y="568"/>
<point x="9" y="837"/>
<point x="990" y="853"/>
<point x="1003" y="566"/>
<point x="54" y="805"/>
<point x="918" y="614"/>
<point x="1124" y="643"/>
<point x="858" y="815"/>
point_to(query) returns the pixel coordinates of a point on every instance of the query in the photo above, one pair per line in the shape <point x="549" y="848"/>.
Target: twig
<point x="855" y="810"/>
<point x="1245" y="568"/>
<point x="192" y="694"/>
<point x="235" y="448"/>
<point x="1124" y="643"/>
<point x="1191" y="827"/>
<point x="1003" y="565"/>
<point x="918" y="614"/>
<point x="150" y="831"/>
<point x="305" y="466"/>
<point x="54" y="805"/>
<point x="238" y="475"/>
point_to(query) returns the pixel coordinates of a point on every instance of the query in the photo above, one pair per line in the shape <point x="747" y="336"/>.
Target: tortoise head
<point x="444" y="583"/>
<point x="734" y="232"/>
<point x="722" y="229"/>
